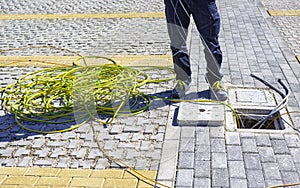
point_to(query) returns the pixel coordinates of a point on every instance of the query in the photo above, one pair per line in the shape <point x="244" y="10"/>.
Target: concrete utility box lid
<point x="251" y="97"/>
<point x="192" y="114"/>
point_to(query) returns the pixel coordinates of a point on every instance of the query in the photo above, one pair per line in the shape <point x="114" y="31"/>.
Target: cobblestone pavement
<point x="281" y="5"/>
<point x="184" y="156"/>
<point x="77" y="6"/>
<point x="87" y="36"/>
<point x="287" y="25"/>
<point x="213" y="157"/>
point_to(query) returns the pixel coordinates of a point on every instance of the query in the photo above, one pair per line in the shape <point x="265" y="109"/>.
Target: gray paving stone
<point x="73" y="144"/>
<point x="128" y="145"/>
<point x="220" y="178"/>
<point x="86" y="164"/>
<point x="80" y="153"/>
<point x="289" y="177"/>
<point x="21" y="151"/>
<point x="88" y="7"/>
<point x="202" y="152"/>
<point x="238" y="183"/>
<point x="154" y="165"/>
<point x="252" y="161"/>
<point x="270" y="183"/>
<point x="141" y="164"/>
<point x="295" y="152"/>
<point x="168" y="162"/>
<point x="234" y="153"/>
<point x="187" y="145"/>
<point x="271" y="171"/>
<point x="109" y="145"/>
<point x="63" y="162"/>
<point x="26" y="161"/>
<point x="202" y="182"/>
<point x="74" y="164"/>
<point x="276" y="137"/>
<point x="87" y="137"/>
<point x="44" y="162"/>
<point x="188" y="132"/>
<point x="186" y="160"/>
<point x="55" y="144"/>
<point x="56" y="136"/>
<point x="280" y="147"/>
<point x="236" y="169"/>
<point x="249" y="145"/>
<point x="263" y="140"/>
<point x="266" y="154"/>
<point x="232" y="138"/>
<point x="42" y="153"/>
<point x="146" y="145"/>
<point x="245" y="135"/>
<point x="217" y="132"/>
<point x="136" y="137"/>
<point x="157" y="137"/>
<point x="9" y="162"/>
<point x="298" y="167"/>
<point x="23" y="143"/>
<point x="219" y="160"/>
<point x="58" y="152"/>
<point x="101" y="164"/>
<point x="132" y="153"/>
<point x="217" y="145"/>
<point x="115" y="129"/>
<point x="156" y="154"/>
<point x="202" y="137"/>
<point x="132" y="129"/>
<point x="185" y="177"/>
<point x="202" y="169"/>
<point x="118" y="154"/>
<point x="38" y="143"/>
<point x="69" y="135"/>
<point x="285" y="162"/>
<point x="292" y="140"/>
<point x="94" y="153"/>
<point x="255" y="178"/>
<point x="89" y="144"/>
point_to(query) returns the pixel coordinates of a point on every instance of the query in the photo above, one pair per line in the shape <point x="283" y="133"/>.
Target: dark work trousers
<point x="207" y="20"/>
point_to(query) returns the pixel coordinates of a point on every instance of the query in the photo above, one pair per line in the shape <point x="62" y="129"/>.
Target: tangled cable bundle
<point x="68" y="97"/>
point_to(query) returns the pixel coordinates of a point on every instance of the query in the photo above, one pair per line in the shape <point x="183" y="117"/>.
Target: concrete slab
<point x="193" y="114"/>
<point x="251" y="97"/>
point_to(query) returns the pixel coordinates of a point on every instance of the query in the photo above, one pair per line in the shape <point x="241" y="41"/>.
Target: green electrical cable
<point x="47" y="95"/>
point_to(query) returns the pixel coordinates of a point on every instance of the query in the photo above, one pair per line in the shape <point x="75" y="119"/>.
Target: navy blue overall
<point x="207" y="20"/>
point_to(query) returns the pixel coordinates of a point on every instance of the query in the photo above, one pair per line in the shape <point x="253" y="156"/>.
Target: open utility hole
<point x="249" y="118"/>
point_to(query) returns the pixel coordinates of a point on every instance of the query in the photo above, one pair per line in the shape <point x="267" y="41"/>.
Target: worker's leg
<point x="178" y="20"/>
<point x="207" y="19"/>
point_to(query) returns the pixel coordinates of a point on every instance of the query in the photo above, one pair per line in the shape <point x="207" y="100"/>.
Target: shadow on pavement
<point x="10" y="131"/>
